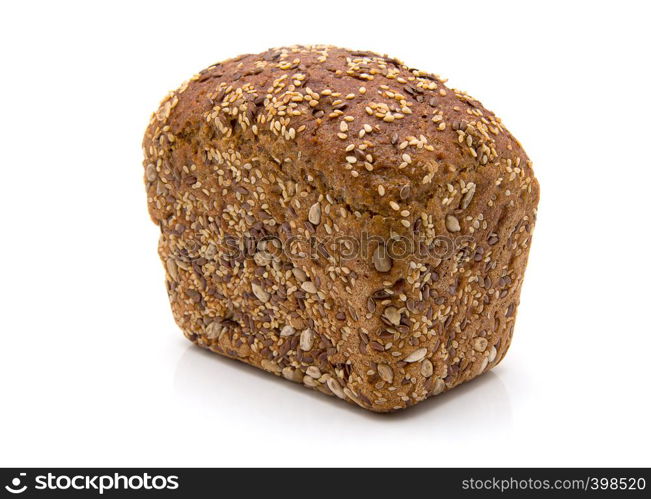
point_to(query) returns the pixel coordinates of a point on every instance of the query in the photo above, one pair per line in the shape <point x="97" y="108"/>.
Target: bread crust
<point x="263" y="171"/>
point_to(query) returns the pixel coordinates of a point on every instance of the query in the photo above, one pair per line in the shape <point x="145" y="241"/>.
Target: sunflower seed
<point x="259" y="293"/>
<point x="292" y="374"/>
<point x="150" y="172"/>
<point x="492" y="354"/>
<point x="439" y="386"/>
<point x="452" y="223"/>
<point x="313" y="372"/>
<point x="467" y="197"/>
<point x="426" y="368"/>
<point x="310" y="381"/>
<point x="308" y="287"/>
<point x="381" y="260"/>
<point x="172" y="269"/>
<point x="480" y="344"/>
<point x="393" y="315"/>
<point x="307" y="340"/>
<point x="335" y="388"/>
<point x="299" y="274"/>
<point x="214" y="330"/>
<point x="270" y="366"/>
<point x="314" y="215"/>
<point x="416" y="355"/>
<point x="385" y="372"/>
<point x="287" y="331"/>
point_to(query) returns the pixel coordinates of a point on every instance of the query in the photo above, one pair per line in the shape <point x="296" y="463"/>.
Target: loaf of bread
<point x="339" y="219"/>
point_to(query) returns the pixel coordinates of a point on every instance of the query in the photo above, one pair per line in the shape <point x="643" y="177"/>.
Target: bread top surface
<point x="366" y="129"/>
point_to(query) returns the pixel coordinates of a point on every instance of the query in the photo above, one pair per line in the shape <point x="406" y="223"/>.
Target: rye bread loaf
<point x="342" y="220"/>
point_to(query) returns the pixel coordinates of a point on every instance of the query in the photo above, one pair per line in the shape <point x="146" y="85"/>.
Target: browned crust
<point x="247" y="147"/>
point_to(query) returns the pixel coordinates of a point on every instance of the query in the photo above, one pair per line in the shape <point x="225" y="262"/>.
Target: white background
<point x="93" y="370"/>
